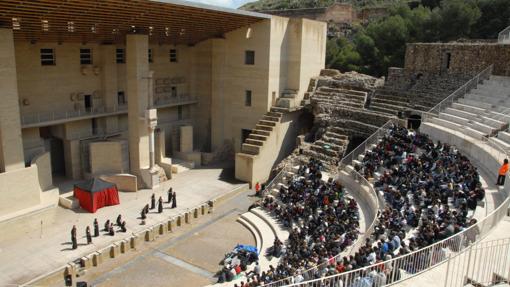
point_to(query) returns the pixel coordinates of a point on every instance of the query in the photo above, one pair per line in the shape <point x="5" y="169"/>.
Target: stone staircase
<point x="255" y="141"/>
<point x="330" y="147"/>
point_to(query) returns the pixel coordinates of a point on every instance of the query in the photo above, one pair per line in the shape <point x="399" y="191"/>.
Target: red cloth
<point x="93" y="201"/>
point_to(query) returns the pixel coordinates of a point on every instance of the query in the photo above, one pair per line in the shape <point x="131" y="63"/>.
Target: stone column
<point x="137" y="67"/>
<point x="11" y="145"/>
<point x="138" y="81"/>
<point x="186" y="145"/>
<point x="152" y="122"/>
<point x="109" y="84"/>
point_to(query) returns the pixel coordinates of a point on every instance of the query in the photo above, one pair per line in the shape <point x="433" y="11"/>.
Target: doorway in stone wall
<point x="414" y="122"/>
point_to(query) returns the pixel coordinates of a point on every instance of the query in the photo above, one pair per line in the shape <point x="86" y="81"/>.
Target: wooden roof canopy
<point x="108" y="21"/>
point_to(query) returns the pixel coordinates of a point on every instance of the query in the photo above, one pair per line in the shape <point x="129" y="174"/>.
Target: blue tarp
<point x="248" y="248"/>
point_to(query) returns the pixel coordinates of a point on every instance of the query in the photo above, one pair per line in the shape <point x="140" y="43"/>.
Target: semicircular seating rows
<point x="481" y="128"/>
<point x="477" y="141"/>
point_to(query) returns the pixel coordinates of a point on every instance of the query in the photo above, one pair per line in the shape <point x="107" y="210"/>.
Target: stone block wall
<point x="464" y="58"/>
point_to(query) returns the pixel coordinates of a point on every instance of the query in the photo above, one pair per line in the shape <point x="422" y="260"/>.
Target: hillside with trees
<point x="380" y="44"/>
<point x="298" y="4"/>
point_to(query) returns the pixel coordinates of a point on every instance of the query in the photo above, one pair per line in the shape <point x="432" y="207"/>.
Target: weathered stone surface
<point x="329" y="72"/>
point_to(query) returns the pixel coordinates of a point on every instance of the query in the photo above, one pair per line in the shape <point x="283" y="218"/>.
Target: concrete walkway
<point x="40" y="242"/>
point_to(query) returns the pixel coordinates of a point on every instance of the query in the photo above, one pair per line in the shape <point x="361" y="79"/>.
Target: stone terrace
<point x="401" y="95"/>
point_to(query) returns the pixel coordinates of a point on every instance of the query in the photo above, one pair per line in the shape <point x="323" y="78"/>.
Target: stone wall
<point x="19" y="190"/>
<point x="464" y="58"/>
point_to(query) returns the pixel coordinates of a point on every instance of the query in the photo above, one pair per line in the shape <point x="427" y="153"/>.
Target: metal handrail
<point x="40" y="117"/>
<point x="504" y="36"/>
<point x="62" y="115"/>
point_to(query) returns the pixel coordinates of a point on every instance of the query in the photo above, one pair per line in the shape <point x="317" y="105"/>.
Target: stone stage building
<point x="125" y="87"/>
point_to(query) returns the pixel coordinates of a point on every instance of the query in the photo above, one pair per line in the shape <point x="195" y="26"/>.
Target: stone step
<point x="336" y="141"/>
<point x="503" y="116"/>
<point x="326" y="152"/>
<point x="271" y="118"/>
<point x="253" y="230"/>
<point x="328" y="145"/>
<point x="383" y="110"/>
<point x="279" y="110"/>
<point x="267" y="123"/>
<point x="250" y="149"/>
<point x="461" y="113"/>
<point x="275" y="114"/>
<point x="264" y="127"/>
<point x="257" y="137"/>
<point x="485" y="121"/>
<point x="278" y="230"/>
<point x="455" y="119"/>
<point x="468" y="108"/>
<point x="260" y="132"/>
<point x="254" y="142"/>
<point x="504" y="136"/>
<point x="475" y="103"/>
<point x="267" y="237"/>
<point x="336" y="135"/>
<point x="490" y="99"/>
<point x="501" y="143"/>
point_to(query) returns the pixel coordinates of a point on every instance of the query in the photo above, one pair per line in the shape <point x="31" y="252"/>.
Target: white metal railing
<point x="485" y="263"/>
<point x="462" y="90"/>
<point x="169" y="100"/>
<point x="504" y="36"/>
<point x="36" y="118"/>
<point x="90" y="134"/>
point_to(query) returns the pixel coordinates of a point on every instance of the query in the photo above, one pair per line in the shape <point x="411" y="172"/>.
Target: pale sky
<point x="224" y="3"/>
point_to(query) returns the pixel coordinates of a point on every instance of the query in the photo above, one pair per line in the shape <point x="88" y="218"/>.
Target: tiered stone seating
<point x="478" y="114"/>
<point x="339" y="97"/>
<point x="422" y="96"/>
<point x="265" y="229"/>
<point x="331" y="146"/>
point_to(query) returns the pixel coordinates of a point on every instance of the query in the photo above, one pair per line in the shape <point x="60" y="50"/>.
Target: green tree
<point x="495" y="17"/>
<point x="390" y="36"/>
<point x="456" y="18"/>
<point x="342" y="55"/>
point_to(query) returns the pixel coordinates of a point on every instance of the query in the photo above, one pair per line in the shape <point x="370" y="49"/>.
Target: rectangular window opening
<point x="150" y="55"/>
<point x="174" y="92"/>
<point x="86" y="56"/>
<point x="48" y="57"/>
<point x="121" y="98"/>
<point x="120" y="56"/>
<point x="249" y="57"/>
<point x="179" y="112"/>
<point x="247" y="98"/>
<point x="173" y="55"/>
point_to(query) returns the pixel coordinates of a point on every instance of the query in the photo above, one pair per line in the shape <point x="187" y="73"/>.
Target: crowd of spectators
<point x="322" y="220"/>
<point x="428" y="190"/>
